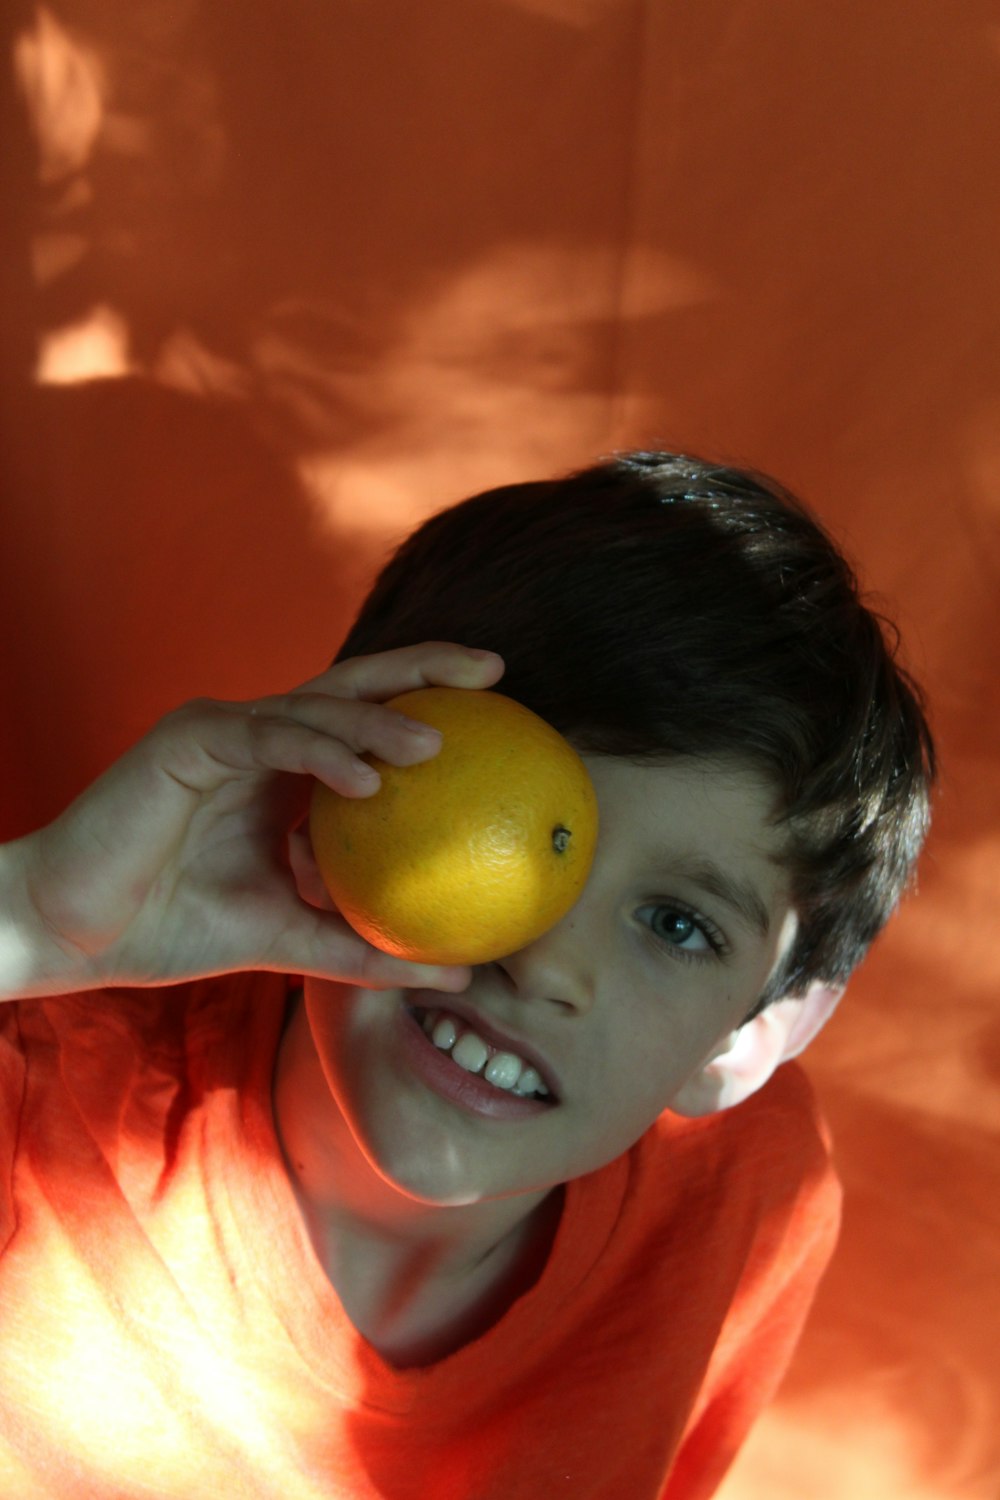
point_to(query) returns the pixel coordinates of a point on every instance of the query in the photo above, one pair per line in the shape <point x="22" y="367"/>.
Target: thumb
<point x="321" y="944"/>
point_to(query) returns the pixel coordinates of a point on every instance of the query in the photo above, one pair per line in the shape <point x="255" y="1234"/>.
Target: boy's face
<point x="684" y="917"/>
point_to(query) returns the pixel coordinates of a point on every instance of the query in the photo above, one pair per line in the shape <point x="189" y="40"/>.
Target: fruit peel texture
<point x="453" y="860"/>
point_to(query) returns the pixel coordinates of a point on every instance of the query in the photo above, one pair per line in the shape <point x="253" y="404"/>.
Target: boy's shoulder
<point x="90" y="1054"/>
<point x="729" y="1185"/>
<point x="709" y="1239"/>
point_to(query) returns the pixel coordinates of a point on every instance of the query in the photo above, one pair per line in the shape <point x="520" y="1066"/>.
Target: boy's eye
<point x="681" y="929"/>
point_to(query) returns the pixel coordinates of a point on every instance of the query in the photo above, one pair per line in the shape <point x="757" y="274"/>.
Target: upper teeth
<point x="503" y="1069"/>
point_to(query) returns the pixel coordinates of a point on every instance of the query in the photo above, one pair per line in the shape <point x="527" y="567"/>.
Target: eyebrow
<point x="740" y="895"/>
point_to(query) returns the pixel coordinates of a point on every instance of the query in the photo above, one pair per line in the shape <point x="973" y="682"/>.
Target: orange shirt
<point x="166" y="1330"/>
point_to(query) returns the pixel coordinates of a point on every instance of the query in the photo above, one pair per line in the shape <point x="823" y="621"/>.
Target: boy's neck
<point x="417" y="1280"/>
<point x="414" y="1304"/>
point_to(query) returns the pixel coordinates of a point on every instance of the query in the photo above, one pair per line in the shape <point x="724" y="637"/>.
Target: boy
<point x="256" y="1240"/>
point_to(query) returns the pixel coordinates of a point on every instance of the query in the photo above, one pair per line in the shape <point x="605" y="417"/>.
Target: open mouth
<point x="505" y="1070"/>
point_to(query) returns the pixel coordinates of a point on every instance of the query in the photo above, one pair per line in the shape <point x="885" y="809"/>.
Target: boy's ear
<point x="745" y="1060"/>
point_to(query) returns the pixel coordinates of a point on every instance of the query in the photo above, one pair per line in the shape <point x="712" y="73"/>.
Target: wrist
<point x="31" y="962"/>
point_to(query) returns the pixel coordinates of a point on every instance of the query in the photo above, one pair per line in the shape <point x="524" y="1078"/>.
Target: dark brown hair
<point x="656" y="606"/>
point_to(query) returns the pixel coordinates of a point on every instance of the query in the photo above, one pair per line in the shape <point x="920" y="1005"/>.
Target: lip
<point x="467" y="1091"/>
<point x="503" y="1041"/>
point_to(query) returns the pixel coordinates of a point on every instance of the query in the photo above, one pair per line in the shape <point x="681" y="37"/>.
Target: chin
<point x="424" y="1159"/>
<point x="418" y="1145"/>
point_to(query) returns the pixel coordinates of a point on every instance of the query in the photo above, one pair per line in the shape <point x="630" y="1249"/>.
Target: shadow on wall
<point x="163" y="552"/>
<point x="248" y="296"/>
<point x="281" y="207"/>
<point x="244" y="303"/>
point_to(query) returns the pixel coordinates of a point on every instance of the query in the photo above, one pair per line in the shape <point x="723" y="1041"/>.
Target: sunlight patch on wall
<point x="186" y="363"/>
<point x="63" y="88"/>
<point x="506" y="372"/>
<point x="96" y="347"/>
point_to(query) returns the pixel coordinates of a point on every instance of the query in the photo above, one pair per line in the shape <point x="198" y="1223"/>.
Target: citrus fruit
<point x="472" y="854"/>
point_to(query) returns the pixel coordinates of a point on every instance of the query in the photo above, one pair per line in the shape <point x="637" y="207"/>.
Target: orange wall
<point x="288" y="277"/>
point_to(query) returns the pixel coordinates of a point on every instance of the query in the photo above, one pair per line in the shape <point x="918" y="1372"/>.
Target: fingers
<point x="430" y="664"/>
<point x="322" y="945"/>
<point x="325" y="737"/>
<point x="207" y="743"/>
<point x="320" y="729"/>
<point x="324" y="727"/>
<point x="380" y="971"/>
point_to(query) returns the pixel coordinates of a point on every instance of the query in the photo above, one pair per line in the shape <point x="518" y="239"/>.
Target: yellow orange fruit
<point x="472" y="854"/>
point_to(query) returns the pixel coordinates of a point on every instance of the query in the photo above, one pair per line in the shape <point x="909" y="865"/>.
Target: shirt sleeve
<point x="12" y="1083"/>
<point x="756" y="1344"/>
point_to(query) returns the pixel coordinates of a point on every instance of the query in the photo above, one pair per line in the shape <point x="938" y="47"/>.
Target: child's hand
<point x="175" y="863"/>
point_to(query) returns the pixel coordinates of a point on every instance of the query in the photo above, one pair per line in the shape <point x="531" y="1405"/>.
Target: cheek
<point x="326" y="1008"/>
<point x="335" y="1019"/>
<point x="660" y="1041"/>
<point x="346" y="1032"/>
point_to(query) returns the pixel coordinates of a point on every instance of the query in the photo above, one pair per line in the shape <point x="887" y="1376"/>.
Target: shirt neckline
<point x="273" y="1238"/>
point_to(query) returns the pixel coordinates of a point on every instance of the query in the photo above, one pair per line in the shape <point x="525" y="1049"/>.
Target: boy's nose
<point x="557" y="968"/>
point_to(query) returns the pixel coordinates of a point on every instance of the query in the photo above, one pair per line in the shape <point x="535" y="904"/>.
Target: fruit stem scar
<point x="560" y="838"/>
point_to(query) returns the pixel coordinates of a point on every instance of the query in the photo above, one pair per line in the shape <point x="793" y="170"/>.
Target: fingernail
<point x="452" y="980"/>
<point x="364" y="771"/>
<point x="478" y="655"/>
<point x="423" y="731"/>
